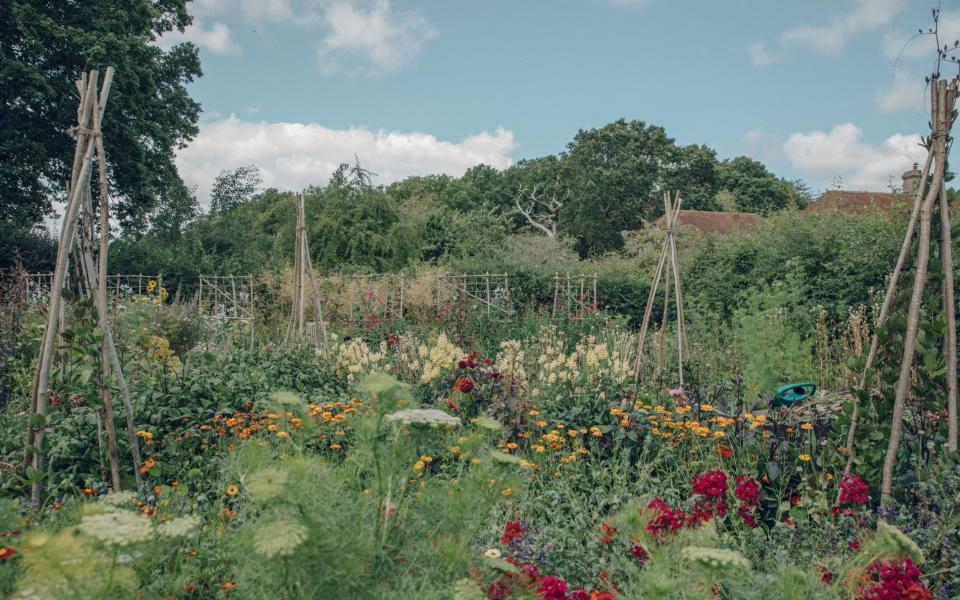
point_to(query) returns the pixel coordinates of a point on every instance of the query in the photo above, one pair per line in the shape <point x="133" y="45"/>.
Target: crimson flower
<point x="854" y="490"/>
<point x="552" y="588"/>
<point x="513" y="530"/>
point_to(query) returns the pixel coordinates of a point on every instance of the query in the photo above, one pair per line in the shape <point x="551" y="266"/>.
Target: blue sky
<point x="813" y="89"/>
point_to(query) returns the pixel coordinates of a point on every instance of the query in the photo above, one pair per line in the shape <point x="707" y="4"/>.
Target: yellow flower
<point x="538" y="448"/>
<point x="232" y="490"/>
<point x="426" y="458"/>
<point x="804" y="457"/>
<point x="534" y="413"/>
<point x="511" y="446"/>
<point x="507" y="491"/>
<point x="455" y="449"/>
<point x="418" y="466"/>
<point x="706" y="408"/>
<point x="806" y="426"/>
<point x="283" y="434"/>
<point x="572" y="432"/>
<point x="582" y="450"/>
<point x="541" y="423"/>
<point x="718" y="434"/>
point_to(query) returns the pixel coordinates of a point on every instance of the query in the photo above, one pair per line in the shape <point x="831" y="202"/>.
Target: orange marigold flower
<point x="89" y="492"/>
<point x="232" y="490"/>
<point x="334" y="446"/>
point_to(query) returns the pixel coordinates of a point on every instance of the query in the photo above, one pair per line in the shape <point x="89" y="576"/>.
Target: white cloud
<point x="753" y="136"/>
<point x="295" y="155"/>
<point x="905" y="92"/>
<point x="217" y="38"/>
<point x="830" y="38"/>
<point x="902" y="44"/>
<point x="759" y="55"/>
<point x="250" y="10"/>
<point x="372" y="41"/>
<point x="842" y="152"/>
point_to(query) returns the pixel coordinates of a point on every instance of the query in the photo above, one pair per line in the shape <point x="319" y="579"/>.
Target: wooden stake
<point x="888" y="297"/>
<point x="916" y="298"/>
<point x="950" y="303"/>
<point x="668" y="260"/>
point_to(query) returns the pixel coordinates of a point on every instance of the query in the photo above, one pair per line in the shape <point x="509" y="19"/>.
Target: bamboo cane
<point x="946" y="257"/>
<point x="916" y="297"/>
<point x="56" y="287"/>
<point x="885" y="309"/>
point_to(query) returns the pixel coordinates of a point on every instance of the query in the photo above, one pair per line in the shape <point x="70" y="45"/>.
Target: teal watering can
<point x="793" y="394"/>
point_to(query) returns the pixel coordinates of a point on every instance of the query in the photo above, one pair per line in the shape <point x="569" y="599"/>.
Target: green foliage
<point x="43" y="48"/>
<point x="232" y="188"/>
<point x="768" y="326"/>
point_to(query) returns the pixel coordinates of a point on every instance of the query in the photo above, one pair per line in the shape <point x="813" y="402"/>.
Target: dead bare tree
<point x="541" y="212"/>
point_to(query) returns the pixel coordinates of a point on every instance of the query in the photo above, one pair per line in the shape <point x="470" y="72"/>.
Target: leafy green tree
<point x="692" y="172"/>
<point x="178" y="208"/>
<point x="613" y="173"/>
<point x="233" y="188"/>
<point x="44" y="46"/>
<point x="755" y="188"/>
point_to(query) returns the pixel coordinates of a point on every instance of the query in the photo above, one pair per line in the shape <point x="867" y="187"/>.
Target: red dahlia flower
<point x="513" y="530"/>
<point x="552" y="588"/>
<point x="854" y="490"/>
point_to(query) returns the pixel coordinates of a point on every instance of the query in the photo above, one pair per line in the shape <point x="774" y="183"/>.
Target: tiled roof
<point x="714" y="222"/>
<point x="856" y="203"/>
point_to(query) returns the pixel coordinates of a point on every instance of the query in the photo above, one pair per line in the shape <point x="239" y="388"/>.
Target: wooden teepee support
<point x="666" y="264"/>
<point x="931" y="191"/>
<point x="93" y="280"/>
<point x="304" y="277"/>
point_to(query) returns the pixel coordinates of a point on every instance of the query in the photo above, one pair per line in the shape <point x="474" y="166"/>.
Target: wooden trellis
<point x="119" y="286"/>
<point x="574" y="296"/>
<point x="488" y="292"/>
<point x="667" y="262"/>
<point x="228" y="298"/>
<point x="376" y="298"/>
<point x="931" y="193"/>
<point x="76" y="251"/>
<point x="305" y="289"/>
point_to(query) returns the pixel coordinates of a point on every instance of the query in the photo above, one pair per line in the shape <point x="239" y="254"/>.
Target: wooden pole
<point x="651" y="296"/>
<point x="950" y="303"/>
<point x="916" y="297"/>
<point x="678" y="294"/>
<point x="888" y="298"/>
<point x="59" y="276"/>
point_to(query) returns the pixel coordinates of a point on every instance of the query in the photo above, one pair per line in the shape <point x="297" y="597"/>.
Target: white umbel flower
<point x="715" y="558"/>
<point x="122" y="499"/>
<point x="279" y="537"/>
<point x="178" y="527"/>
<point x="117" y="527"/>
<point x="424" y="416"/>
<point x="265" y="484"/>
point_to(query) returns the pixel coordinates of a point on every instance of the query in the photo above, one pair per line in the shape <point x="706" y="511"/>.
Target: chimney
<point x="911" y="181"/>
